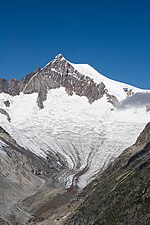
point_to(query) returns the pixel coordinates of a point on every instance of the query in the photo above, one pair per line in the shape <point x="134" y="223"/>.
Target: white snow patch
<point x="114" y="87"/>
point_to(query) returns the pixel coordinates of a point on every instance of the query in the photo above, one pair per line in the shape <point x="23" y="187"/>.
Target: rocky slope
<point x="121" y="194"/>
<point x="22" y="173"/>
<point x="58" y="72"/>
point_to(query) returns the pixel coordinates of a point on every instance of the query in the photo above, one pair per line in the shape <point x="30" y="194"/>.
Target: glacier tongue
<point x="87" y="135"/>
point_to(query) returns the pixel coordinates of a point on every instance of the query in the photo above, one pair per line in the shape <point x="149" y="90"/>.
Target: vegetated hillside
<point x="121" y="195"/>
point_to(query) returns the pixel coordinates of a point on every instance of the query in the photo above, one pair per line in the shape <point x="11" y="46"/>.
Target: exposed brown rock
<point x="58" y="73"/>
<point x="112" y="99"/>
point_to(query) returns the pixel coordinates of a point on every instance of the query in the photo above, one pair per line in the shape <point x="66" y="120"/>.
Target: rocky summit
<point x="57" y="73"/>
<point x="63" y="131"/>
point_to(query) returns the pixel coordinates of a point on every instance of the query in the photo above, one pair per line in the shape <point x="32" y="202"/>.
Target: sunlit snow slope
<point x="87" y="135"/>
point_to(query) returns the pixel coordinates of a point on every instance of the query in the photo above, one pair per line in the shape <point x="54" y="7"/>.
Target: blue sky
<point x="112" y="36"/>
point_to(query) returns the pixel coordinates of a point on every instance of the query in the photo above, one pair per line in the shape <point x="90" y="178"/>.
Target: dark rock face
<point x="121" y="194"/>
<point x="74" y="82"/>
<point x="3" y="111"/>
<point x="112" y="99"/>
<point x="11" y="87"/>
<point x="3" y="222"/>
<point x="144" y="136"/>
<point x="42" y="95"/>
<point x="4" y="86"/>
<point x="7" y="103"/>
<point x="58" y="73"/>
<point x="129" y="92"/>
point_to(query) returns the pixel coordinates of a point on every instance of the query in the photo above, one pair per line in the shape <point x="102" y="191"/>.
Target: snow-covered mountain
<point x="74" y="111"/>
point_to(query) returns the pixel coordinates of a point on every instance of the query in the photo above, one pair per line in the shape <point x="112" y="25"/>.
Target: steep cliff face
<point x="11" y="87"/>
<point x="14" y="87"/>
<point x="58" y="73"/>
<point x="121" y="194"/>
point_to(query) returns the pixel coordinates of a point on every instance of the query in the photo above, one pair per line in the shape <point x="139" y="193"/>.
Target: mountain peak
<point x="59" y="56"/>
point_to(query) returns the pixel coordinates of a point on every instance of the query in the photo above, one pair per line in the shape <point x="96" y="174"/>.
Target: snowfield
<point x="88" y="136"/>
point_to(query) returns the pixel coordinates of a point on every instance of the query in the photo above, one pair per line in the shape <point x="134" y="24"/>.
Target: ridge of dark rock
<point x="3" y="111"/>
<point x="58" y="73"/>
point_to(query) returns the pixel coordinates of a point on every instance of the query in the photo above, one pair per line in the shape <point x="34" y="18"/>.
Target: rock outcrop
<point x="7" y="103"/>
<point x="3" y="111"/>
<point x="11" y="87"/>
<point x="112" y="99"/>
<point x="58" y="73"/>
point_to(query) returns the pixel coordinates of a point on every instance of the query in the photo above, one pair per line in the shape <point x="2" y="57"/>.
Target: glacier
<point x="88" y="136"/>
